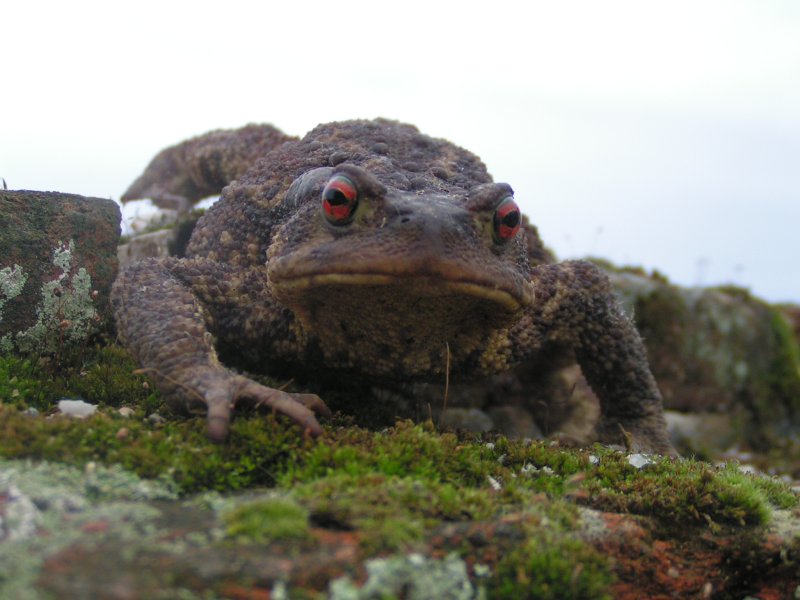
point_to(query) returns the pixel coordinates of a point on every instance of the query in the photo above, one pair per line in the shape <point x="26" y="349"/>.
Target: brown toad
<point x="369" y="251"/>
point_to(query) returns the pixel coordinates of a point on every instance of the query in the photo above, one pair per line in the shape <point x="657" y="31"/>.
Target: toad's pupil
<point x="511" y="219"/>
<point x="337" y="198"/>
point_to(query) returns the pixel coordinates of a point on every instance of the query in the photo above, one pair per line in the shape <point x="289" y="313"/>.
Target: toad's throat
<point x="399" y="326"/>
<point x="417" y="285"/>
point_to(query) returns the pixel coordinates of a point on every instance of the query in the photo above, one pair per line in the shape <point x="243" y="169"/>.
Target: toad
<point x="367" y="251"/>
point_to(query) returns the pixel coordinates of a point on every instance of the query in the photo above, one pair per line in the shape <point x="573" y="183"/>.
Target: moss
<point x="23" y="384"/>
<point x="391" y="512"/>
<point x="458" y="477"/>
<point x="784" y="373"/>
<point x="100" y="375"/>
<point x="107" y="377"/>
<point x="398" y="489"/>
<point x="735" y="291"/>
<point x="552" y="566"/>
<point x="772" y="395"/>
<point x="684" y="492"/>
<point x="267" y="520"/>
<point x="255" y="455"/>
<point x="406" y="449"/>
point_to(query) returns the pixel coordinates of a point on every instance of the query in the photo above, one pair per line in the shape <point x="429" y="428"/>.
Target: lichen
<point x="414" y="576"/>
<point x="12" y="280"/>
<point x="66" y="315"/>
<point x="45" y="499"/>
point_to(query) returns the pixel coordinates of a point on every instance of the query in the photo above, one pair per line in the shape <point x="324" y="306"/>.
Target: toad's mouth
<point x="511" y="297"/>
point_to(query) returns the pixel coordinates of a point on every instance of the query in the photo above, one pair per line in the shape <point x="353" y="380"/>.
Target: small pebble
<point x="122" y="433"/>
<point x="156" y="419"/>
<point x="126" y="411"/>
<point x="77" y="409"/>
<point x="494" y="484"/>
<point x="639" y="461"/>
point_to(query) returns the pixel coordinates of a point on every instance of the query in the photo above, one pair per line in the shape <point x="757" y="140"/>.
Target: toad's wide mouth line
<point x="508" y="300"/>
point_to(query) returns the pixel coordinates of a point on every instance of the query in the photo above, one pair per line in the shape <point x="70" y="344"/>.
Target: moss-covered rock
<point x="496" y="518"/>
<point x="719" y="350"/>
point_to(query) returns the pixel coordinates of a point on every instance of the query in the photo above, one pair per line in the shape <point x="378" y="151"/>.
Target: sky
<point x="659" y="134"/>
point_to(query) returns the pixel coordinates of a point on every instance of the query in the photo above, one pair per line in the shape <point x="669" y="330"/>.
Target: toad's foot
<point x="647" y="435"/>
<point x="221" y="392"/>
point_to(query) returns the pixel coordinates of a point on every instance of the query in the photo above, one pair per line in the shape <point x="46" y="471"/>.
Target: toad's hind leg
<point x="575" y="306"/>
<point x="167" y="328"/>
<point x="182" y="174"/>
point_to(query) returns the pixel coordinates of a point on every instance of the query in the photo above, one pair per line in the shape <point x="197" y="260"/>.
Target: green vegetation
<point x="103" y="375"/>
<point x="267" y="520"/>
<point x="685" y="491"/>
<point x="391" y="512"/>
<point x="393" y="489"/>
<point x="263" y="451"/>
<point x="552" y="567"/>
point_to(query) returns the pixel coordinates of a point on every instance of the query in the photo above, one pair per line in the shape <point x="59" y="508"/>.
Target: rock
<point x="148" y="245"/>
<point x="156" y="419"/>
<point x="639" y="461"/>
<point x="170" y="241"/>
<point x="719" y="350"/>
<point x="792" y="314"/>
<point x="466" y="419"/>
<point x="705" y="433"/>
<point x="57" y="263"/>
<point x="515" y="422"/>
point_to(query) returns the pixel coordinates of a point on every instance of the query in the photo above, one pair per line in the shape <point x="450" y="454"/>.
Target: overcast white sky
<point x="662" y="134"/>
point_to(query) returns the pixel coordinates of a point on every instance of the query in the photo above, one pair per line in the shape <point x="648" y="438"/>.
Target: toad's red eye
<point x="339" y="200"/>
<point x="507" y="220"/>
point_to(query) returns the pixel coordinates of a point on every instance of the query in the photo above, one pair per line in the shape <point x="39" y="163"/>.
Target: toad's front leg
<point x="163" y="319"/>
<point x="575" y="306"/>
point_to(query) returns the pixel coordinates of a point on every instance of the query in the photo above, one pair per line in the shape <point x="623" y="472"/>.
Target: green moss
<point x="101" y="375"/>
<point x="784" y="374"/>
<point x="267" y="520"/>
<point x="685" y="491"/>
<point x="396" y="466"/>
<point x="107" y="378"/>
<point x="23" y="384"/>
<point x="552" y="566"/>
<point x="398" y="489"/>
<point x="391" y="512"/>
<point x="406" y="449"/>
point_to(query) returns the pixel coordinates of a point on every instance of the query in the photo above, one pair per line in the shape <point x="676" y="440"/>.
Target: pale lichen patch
<point x="66" y="313"/>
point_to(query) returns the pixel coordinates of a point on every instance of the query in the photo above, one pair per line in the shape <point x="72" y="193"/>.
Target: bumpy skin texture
<point x="181" y="175"/>
<point x="417" y="280"/>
